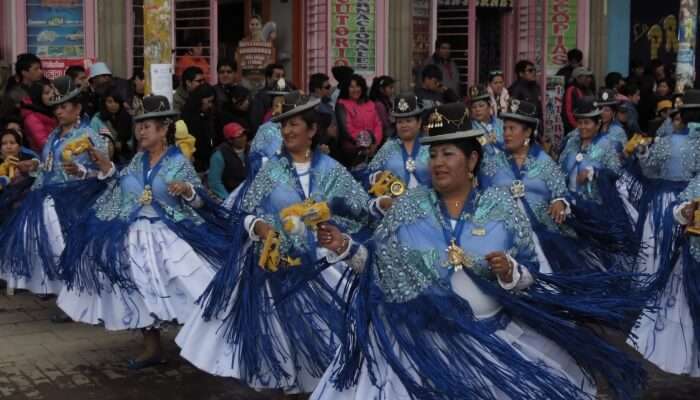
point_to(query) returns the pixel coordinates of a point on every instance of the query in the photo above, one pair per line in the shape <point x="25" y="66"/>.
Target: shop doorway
<point x="488" y="23"/>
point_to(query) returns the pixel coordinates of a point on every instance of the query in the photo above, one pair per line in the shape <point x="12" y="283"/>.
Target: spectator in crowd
<point x="227" y="168"/>
<point x="432" y="92"/>
<point x="664" y="89"/>
<point x="320" y="88"/>
<point x="579" y="88"/>
<point x="359" y="127"/>
<point x="78" y="74"/>
<point x="663" y="112"/>
<point x="193" y="57"/>
<point x="526" y="87"/>
<point x="498" y="92"/>
<point x="226" y="73"/>
<point x="262" y="102"/>
<point x="237" y="108"/>
<point x="37" y="115"/>
<point x="574" y="59"/>
<point x="381" y="93"/>
<point x="341" y="73"/>
<point x="449" y="69"/>
<point x="627" y="113"/>
<point x="199" y="113"/>
<point x="114" y="123"/>
<point x="102" y="81"/>
<point x="614" y="81"/>
<point x="27" y="71"/>
<point x="13" y="122"/>
<point x="192" y="78"/>
<point x="138" y="90"/>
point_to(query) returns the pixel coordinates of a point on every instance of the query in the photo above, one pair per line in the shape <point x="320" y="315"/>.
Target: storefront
<point x="61" y="32"/>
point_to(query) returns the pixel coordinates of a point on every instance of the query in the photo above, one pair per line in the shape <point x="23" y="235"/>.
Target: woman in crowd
<point x="381" y="93"/>
<point x="359" y="127"/>
<point x="592" y="167"/>
<point x="499" y="97"/>
<point x="482" y="118"/>
<point x="451" y="303"/>
<point x="13" y="182"/>
<point x="37" y="116"/>
<point x="403" y="156"/>
<point x="31" y="239"/>
<point x="246" y="330"/>
<point x="146" y="250"/>
<point x="668" y="165"/>
<point x="200" y="116"/>
<point x="114" y="123"/>
<point x="610" y="128"/>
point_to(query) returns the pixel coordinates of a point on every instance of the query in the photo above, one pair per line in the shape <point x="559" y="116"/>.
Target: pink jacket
<point x="37" y="128"/>
<point x="362" y="117"/>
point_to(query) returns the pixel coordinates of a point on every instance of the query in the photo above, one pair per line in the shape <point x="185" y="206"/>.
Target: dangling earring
<point x="527" y="142"/>
<point x="308" y="154"/>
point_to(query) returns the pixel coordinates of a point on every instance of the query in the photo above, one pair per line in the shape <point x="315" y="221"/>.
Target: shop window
<point x="489" y="41"/>
<point x="137" y="34"/>
<point x="453" y="27"/>
<point x="192" y="35"/>
<point x="316" y="34"/>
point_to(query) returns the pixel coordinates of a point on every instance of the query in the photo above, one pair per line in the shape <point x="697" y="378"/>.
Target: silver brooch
<point x="403" y="105"/>
<point x="410" y="165"/>
<point x="514" y="105"/>
<point x="579" y="157"/>
<point x="605" y="96"/>
<point x="517" y="189"/>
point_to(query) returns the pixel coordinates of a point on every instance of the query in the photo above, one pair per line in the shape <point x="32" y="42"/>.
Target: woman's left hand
<point x="26" y="166"/>
<point x="330" y="237"/>
<point x="72" y="168"/>
<point x="558" y="211"/>
<point x="501" y="266"/>
<point x="180" y="189"/>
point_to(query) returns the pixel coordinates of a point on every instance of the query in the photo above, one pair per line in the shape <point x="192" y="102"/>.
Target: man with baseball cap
<point x="227" y="168"/>
<point x="580" y="87"/>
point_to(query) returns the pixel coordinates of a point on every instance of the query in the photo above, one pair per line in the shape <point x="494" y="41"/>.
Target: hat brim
<point x="591" y="114"/>
<point x="607" y="103"/>
<point x="483" y="97"/>
<point x="62" y="99"/>
<point x="448" y="137"/>
<point x="155" y="115"/>
<point x="277" y="92"/>
<point x="418" y="111"/>
<point x="296" y="110"/>
<point x="688" y="106"/>
<point x="519" y="118"/>
<point x="674" y="111"/>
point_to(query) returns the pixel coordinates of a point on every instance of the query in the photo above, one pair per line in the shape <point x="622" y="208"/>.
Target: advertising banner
<point x="55" y="29"/>
<point x="685" y="68"/>
<point x="561" y="32"/>
<point x="157" y="40"/>
<point x="553" y="125"/>
<point x="353" y="35"/>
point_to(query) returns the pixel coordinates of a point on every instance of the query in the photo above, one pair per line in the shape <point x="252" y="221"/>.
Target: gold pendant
<point x="457" y="258"/>
<point x="147" y="196"/>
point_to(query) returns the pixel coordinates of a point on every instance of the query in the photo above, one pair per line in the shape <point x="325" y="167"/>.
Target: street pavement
<point x="41" y="360"/>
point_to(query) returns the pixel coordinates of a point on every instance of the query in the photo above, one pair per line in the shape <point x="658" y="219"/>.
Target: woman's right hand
<point x="262" y="229"/>
<point x="26" y="166"/>
<point x="101" y="160"/>
<point x="688" y="212"/>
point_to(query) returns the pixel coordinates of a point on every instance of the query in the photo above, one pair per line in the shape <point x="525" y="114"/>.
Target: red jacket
<point x="573" y="94"/>
<point x="37" y="128"/>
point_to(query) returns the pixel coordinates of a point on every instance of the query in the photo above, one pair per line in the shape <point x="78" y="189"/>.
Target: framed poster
<point x="354" y="35"/>
<point x="56" y="28"/>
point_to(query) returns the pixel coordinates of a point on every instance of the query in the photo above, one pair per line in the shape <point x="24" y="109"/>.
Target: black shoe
<point x="147" y="363"/>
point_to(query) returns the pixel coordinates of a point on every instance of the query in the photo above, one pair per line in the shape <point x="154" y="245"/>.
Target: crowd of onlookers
<point x="217" y="122"/>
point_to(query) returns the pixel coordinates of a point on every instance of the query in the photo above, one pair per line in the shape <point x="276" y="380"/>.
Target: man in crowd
<point x="262" y="100"/>
<point x="526" y="87"/>
<point x="192" y="77"/>
<point x="27" y="71"/>
<point x="450" y="72"/>
<point x="432" y="91"/>
<point x="574" y="58"/>
<point x="226" y="73"/>
<point x="320" y="87"/>
<point x="579" y="88"/>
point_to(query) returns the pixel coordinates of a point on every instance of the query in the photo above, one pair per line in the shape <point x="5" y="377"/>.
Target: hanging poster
<point x="157" y="41"/>
<point x="55" y="28"/>
<point x="654" y="33"/>
<point x="353" y="35"/>
<point x="685" y="69"/>
<point x="553" y="125"/>
<point x="561" y="32"/>
<point x="55" y="67"/>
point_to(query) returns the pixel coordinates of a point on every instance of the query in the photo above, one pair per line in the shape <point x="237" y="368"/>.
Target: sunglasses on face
<point x="327" y="87"/>
<point x="200" y="80"/>
<point x="226" y="71"/>
<point x="530" y="70"/>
